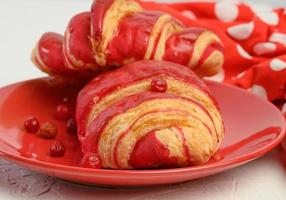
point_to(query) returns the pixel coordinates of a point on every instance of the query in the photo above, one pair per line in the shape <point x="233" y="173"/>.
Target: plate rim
<point x="232" y="162"/>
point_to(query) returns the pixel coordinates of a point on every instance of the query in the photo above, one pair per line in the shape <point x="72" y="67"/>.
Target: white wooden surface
<point x="21" y="23"/>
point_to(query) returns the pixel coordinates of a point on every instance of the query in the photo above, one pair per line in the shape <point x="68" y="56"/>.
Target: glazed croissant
<point x="117" y="32"/>
<point x="148" y="114"/>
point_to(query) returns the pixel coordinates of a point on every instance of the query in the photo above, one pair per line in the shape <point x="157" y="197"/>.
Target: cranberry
<point x="32" y="125"/>
<point x="63" y="112"/>
<point x="91" y="160"/>
<point x="48" y="131"/>
<point x="71" y="126"/>
<point x="158" y="85"/>
<point x="57" y="149"/>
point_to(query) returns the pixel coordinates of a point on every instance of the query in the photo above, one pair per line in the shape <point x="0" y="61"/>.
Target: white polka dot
<point x="242" y="52"/>
<point x="219" y="77"/>
<point x="263" y="48"/>
<point x="270" y="18"/>
<point x="284" y="108"/>
<point x="189" y="14"/>
<point x="265" y="13"/>
<point x="259" y="7"/>
<point x="259" y="91"/>
<point x="226" y="11"/>
<point x="241" y="31"/>
<point x="277" y="64"/>
<point x="278" y="37"/>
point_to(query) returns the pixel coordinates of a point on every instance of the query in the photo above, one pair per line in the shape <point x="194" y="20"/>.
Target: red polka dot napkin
<point x="254" y="37"/>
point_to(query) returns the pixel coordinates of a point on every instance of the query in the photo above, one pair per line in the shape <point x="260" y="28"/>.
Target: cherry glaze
<point x="109" y="82"/>
<point x="90" y="140"/>
<point x="151" y="153"/>
<point x="79" y="43"/>
<point x="51" y="51"/>
<point x="98" y="11"/>
<point x="133" y="36"/>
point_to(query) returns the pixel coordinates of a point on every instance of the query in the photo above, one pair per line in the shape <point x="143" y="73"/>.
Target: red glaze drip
<point x="98" y="10"/>
<point x="157" y="41"/>
<point x="122" y="135"/>
<point x="89" y="141"/>
<point x="127" y="75"/>
<point x="51" y="51"/>
<point x="149" y="152"/>
<point x="185" y="146"/>
<point x="50" y="47"/>
<point x="215" y="46"/>
<point x="79" y="43"/>
<point x="179" y="46"/>
<point x="174" y="21"/>
<point x="132" y="39"/>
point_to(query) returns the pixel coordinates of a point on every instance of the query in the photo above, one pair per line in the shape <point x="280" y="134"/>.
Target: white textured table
<point x="21" y="23"/>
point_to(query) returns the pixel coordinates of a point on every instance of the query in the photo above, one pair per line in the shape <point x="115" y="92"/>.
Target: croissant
<point x="148" y="114"/>
<point x="117" y="32"/>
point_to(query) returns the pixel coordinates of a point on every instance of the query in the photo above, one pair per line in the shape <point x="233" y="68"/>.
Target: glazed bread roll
<point x="117" y="32"/>
<point x="148" y="114"/>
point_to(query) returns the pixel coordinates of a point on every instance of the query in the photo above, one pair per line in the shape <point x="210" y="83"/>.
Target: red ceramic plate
<point x="253" y="127"/>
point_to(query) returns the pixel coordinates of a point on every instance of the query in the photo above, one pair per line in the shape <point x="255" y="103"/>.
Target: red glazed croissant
<point x="116" y="32"/>
<point x="148" y="114"/>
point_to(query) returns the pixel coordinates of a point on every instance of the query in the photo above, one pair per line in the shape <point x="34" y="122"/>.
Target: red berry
<point x="71" y="126"/>
<point x="57" y="149"/>
<point x="158" y="85"/>
<point x="63" y="112"/>
<point x="32" y="125"/>
<point x="91" y="160"/>
<point x="65" y="100"/>
<point x="217" y="157"/>
<point x="48" y="131"/>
